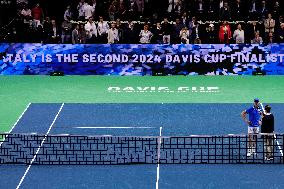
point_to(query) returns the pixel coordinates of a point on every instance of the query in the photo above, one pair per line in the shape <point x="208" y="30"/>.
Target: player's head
<point x="267" y="109"/>
<point x="256" y="102"/>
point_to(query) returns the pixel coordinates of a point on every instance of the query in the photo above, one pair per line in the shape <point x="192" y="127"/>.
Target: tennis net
<point x="115" y="150"/>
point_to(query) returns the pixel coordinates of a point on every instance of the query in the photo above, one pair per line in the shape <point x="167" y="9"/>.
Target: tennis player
<point x="267" y="127"/>
<point x="254" y="123"/>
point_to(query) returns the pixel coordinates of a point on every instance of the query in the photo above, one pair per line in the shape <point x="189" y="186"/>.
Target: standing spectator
<point x="66" y="32"/>
<point x="68" y="14"/>
<point x="238" y="13"/>
<point x="225" y="33"/>
<point x="263" y="10"/>
<point x="82" y="34"/>
<point x="269" y="25"/>
<point x="200" y="9"/>
<point x="281" y="33"/>
<point x="276" y="9"/>
<point x="130" y="33"/>
<point x="167" y="29"/>
<point x="239" y="35"/>
<point x="91" y="30"/>
<point x="54" y="35"/>
<point x="211" y="10"/>
<point x="184" y="19"/>
<point x="211" y="34"/>
<point x="113" y="34"/>
<point x="37" y="14"/>
<point x="75" y="35"/>
<point x="120" y="31"/>
<point x="178" y="9"/>
<point x="196" y="34"/>
<point x="184" y="36"/>
<point x="252" y="27"/>
<point x="225" y="12"/>
<point x="178" y="26"/>
<point x="145" y="35"/>
<point x="89" y="10"/>
<point x="253" y="15"/>
<point x="140" y="6"/>
<point x="257" y="39"/>
<point x="80" y="9"/>
<point x="192" y="26"/>
<point x="158" y="34"/>
<point x="103" y="28"/>
<point x="112" y="11"/>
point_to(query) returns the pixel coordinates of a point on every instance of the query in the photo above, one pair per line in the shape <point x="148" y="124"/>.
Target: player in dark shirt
<point x="267" y="127"/>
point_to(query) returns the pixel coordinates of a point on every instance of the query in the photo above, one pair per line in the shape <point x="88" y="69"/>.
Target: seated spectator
<point x="91" y="30"/>
<point x="253" y="15"/>
<point x="271" y="38"/>
<point x="113" y="36"/>
<point x="145" y="35"/>
<point x="200" y="9"/>
<point x="103" y="28"/>
<point x="178" y="26"/>
<point x="66" y="32"/>
<point x="238" y="11"/>
<point x="239" y="35"/>
<point x="75" y="35"/>
<point x="281" y="33"/>
<point x="112" y="11"/>
<point x="37" y="14"/>
<point x="225" y="33"/>
<point x="184" y="36"/>
<point x="257" y="39"/>
<point x="276" y="10"/>
<point x="80" y="8"/>
<point x="263" y="10"/>
<point x="211" y="10"/>
<point x="252" y="27"/>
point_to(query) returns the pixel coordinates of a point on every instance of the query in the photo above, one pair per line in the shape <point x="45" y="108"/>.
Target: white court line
<point x="275" y="138"/>
<point x="114" y="127"/>
<point x="18" y="120"/>
<point x="22" y="179"/>
<point x="159" y="153"/>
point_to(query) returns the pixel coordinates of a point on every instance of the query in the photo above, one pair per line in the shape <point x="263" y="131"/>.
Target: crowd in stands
<point x="148" y="21"/>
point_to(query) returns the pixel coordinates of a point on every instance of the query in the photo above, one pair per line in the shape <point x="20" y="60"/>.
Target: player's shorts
<point x="253" y="130"/>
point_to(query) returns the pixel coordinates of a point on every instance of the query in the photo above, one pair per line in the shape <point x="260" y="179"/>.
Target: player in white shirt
<point x="239" y="35"/>
<point x="113" y="35"/>
<point x="103" y="28"/>
<point x="89" y="10"/>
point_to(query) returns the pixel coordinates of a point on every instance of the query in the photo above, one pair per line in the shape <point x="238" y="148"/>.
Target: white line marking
<point x="17" y="121"/>
<point x="114" y="127"/>
<point x="275" y="138"/>
<point x="22" y="179"/>
<point x="159" y="153"/>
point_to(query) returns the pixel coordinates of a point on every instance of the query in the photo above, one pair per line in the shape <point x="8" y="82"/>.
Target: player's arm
<point x="244" y="116"/>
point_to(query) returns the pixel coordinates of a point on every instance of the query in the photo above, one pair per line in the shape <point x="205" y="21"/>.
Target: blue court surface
<point x="140" y="120"/>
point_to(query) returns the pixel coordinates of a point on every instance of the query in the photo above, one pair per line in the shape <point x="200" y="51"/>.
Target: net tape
<point x="114" y="150"/>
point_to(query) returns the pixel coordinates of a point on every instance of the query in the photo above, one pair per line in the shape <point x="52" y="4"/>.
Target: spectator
<point x="37" y="14"/>
<point x="81" y="9"/>
<point x="54" y="34"/>
<point x="184" y="19"/>
<point x="68" y="14"/>
<point x="82" y="34"/>
<point x="200" y="9"/>
<point x="263" y="10"/>
<point x="196" y="33"/>
<point x="167" y="29"/>
<point x="252" y="27"/>
<point x="276" y="9"/>
<point x="91" y="30"/>
<point x="225" y="12"/>
<point x="257" y="39"/>
<point x="158" y="34"/>
<point x="281" y="33"/>
<point x="178" y="26"/>
<point x="26" y="13"/>
<point x="253" y="15"/>
<point x="113" y="35"/>
<point x="66" y="32"/>
<point x="75" y="35"/>
<point x="184" y="36"/>
<point x="120" y="31"/>
<point x="145" y="35"/>
<point x="211" y="34"/>
<point x="225" y="33"/>
<point x="270" y="38"/>
<point x="103" y="28"/>
<point x="269" y="25"/>
<point x="39" y="35"/>
<point x="112" y="11"/>
<point x="239" y="35"/>
<point x="211" y="10"/>
<point x="238" y="13"/>
<point x="89" y="10"/>
<point x="130" y="33"/>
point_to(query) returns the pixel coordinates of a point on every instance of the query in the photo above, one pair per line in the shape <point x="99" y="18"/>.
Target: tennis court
<point x="130" y="119"/>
